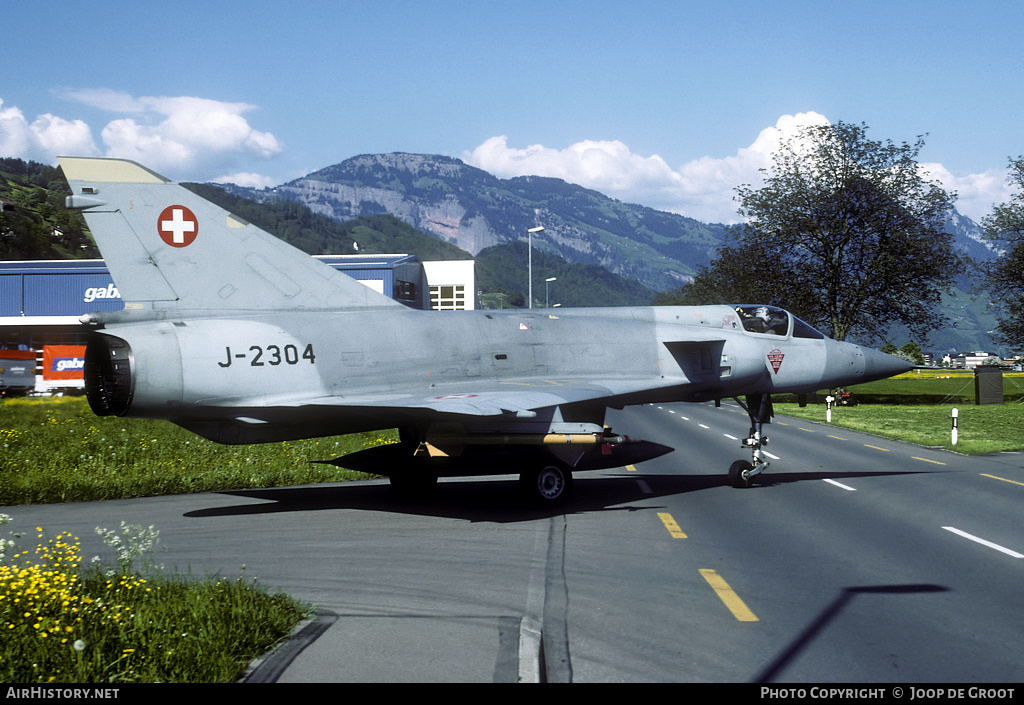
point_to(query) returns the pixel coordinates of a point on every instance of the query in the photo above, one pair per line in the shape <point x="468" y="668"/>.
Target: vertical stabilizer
<point x="167" y="247"/>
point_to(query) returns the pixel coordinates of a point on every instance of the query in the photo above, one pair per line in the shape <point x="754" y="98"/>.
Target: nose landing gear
<point x="759" y="409"/>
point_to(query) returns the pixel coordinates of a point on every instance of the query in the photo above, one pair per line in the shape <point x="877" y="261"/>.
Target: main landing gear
<point x="759" y="409"/>
<point x="549" y="484"/>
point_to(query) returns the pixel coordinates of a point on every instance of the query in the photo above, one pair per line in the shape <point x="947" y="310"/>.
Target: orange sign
<point x="63" y="362"/>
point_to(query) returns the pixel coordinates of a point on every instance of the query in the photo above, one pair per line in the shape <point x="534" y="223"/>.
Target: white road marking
<point x="983" y="542"/>
<point x="840" y="484"/>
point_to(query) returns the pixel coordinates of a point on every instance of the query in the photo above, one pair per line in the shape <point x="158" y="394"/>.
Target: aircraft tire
<point x="549" y="484"/>
<point x="736" y="478"/>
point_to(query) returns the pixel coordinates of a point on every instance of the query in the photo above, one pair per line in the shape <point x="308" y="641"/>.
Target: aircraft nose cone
<point x="879" y="365"/>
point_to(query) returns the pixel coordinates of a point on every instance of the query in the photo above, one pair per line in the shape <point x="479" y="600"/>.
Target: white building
<point x="452" y="284"/>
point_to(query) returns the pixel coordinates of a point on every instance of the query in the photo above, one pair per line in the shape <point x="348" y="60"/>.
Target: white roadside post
<point x="956" y="415"/>
<point x="828" y="408"/>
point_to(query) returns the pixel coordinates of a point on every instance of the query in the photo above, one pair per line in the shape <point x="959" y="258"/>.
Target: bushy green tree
<point x="845" y="232"/>
<point x="1005" y="275"/>
<point x="912" y="351"/>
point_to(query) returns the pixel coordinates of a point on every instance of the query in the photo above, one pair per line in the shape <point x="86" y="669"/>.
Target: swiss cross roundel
<point x="178" y="226"/>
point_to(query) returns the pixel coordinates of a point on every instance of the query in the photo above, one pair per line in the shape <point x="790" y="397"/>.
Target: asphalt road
<point x="854" y="559"/>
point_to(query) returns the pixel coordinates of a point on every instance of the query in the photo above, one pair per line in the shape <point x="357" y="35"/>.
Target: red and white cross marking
<point x="177" y="226"/>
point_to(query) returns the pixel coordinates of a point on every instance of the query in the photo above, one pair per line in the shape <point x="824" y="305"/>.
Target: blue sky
<point x="668" y="104"/>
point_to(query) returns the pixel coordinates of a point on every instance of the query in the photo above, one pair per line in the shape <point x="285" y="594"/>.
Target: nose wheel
<point x="739" y="474"/>
<point x="759" y="409"/>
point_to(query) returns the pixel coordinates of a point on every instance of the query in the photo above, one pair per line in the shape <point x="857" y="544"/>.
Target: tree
<point x="912" y="352"/>
<point x="846" y="233"/>
<point x="1005" y="275"/>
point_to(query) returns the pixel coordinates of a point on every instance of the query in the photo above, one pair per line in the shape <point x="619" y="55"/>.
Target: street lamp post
<point x="531" y="231"/>
<point x="547" y="283"/>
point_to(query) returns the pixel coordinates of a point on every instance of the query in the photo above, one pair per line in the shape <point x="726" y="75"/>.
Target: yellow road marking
<point x="728" y="596"/>
<point x="936" y="462"/>
<point x="671" y="525"/>
<point x="1002" y="478"/>
<point x="838" y="438"/>
<point x="631" y="468"/>
<point x="805" y="429"/>
<point x="868" y="445"/>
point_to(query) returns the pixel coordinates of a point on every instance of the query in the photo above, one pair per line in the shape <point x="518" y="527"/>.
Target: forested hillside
<point x="503" y="269"/>
<point x="34" y="224"/>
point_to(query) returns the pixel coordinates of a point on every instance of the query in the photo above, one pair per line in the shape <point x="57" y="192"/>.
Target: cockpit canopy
<point x="771" y="320"/>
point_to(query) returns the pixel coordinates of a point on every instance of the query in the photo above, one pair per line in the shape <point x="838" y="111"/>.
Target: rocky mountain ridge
<point x="473" y="209"/>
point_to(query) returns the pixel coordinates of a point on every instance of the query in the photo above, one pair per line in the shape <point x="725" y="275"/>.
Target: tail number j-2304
<point x="273" y="355"/>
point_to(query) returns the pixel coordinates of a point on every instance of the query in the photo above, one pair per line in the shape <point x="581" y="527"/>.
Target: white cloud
<point x="605" y="166"/>
<point x="182" y="136"/>
<point x="44" y="138"/>
<point x="185" y="134"/>
<point x="105" y="99"/>
<point x="248" y="179"/>
<point x="976" y="193"/>
<point x="701" y="189"/>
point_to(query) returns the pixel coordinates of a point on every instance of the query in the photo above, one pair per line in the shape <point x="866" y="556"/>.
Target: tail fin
<point x="167" y="247"/>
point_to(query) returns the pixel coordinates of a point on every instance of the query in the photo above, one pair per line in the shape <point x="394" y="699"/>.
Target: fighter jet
<point x="241" y="338"/>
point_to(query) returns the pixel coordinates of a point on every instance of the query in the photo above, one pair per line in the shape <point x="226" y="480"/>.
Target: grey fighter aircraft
<point x="235" y="335"/>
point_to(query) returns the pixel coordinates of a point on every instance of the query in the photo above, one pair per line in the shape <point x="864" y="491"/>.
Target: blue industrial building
<point x="41" y="301"/>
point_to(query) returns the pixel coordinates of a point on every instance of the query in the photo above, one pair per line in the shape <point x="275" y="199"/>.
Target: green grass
<point x="981" y="429"/>
<point x="933" y="387"/>
<point x="62" y="623"/>
<point x="917" y="407"/>
<point x="57" y="450"/>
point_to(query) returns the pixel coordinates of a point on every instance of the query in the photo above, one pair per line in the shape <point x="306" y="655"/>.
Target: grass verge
<point x="917" y="406"/>
<point x="57" y="450"/>
<point x="65" y="623"/>
<point x="981" y="429"/>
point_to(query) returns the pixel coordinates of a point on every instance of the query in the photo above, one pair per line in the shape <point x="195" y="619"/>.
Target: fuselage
<point x="252" y="371"/>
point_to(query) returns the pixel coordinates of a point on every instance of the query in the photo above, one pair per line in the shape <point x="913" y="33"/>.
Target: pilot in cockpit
<point x="764" y="319"/>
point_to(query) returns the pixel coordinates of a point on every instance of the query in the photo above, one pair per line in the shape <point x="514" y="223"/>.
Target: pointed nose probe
<point x="853" y="364"/>
<point x="879" y="365"/>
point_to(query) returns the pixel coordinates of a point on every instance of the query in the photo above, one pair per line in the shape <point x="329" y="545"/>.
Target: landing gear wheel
<point x="737" y="474"/>
<point x="550" y="484"/>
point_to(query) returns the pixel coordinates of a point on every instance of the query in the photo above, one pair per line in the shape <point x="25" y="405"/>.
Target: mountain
<point x="501" y="270"/>
<point x="319" y="235"/>
<point x="474" y="210"/>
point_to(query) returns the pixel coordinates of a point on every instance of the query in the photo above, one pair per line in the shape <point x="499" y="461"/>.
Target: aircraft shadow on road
<point x="498" y="500"/>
